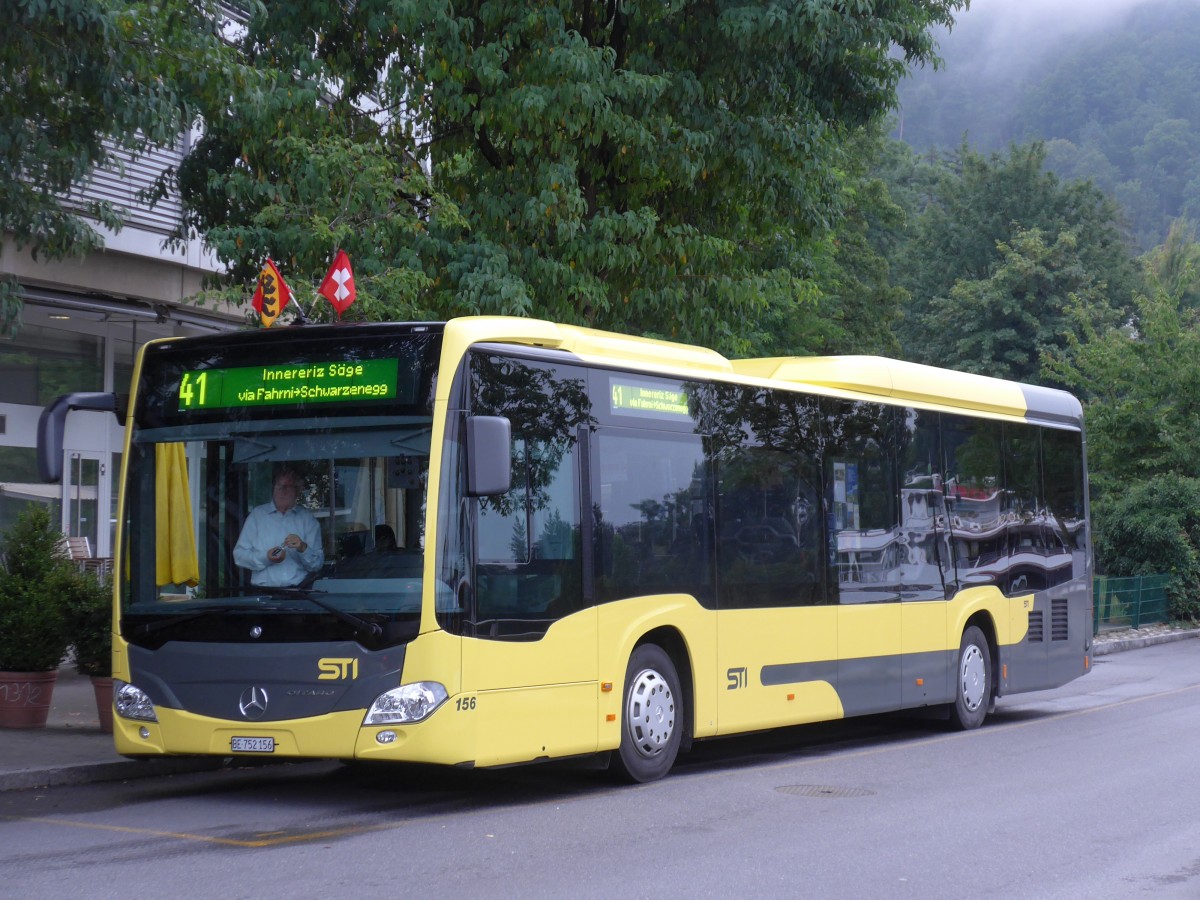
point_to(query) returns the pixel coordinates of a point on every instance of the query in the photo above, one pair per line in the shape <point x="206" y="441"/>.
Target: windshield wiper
<point x="171" y="621"/>
<point x="359" y="624"/>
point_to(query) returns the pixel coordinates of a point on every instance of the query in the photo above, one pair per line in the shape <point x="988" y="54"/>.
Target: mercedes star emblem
<point x="253" y="703"/>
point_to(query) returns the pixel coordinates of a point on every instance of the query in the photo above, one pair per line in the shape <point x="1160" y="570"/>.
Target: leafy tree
<point x="1004" y="239"/>
<point x="665" y="168"/>
<point x="1140" y="381"/>
<point x="80" y="79"/>
<point x="1002" y="324"/>
<point x="1141" y="385"/>
<point x="1164" y="163"/>
<point x="1154" y="528"/>
<point x="854" y="305"/>
<point x="1174" y="267"/>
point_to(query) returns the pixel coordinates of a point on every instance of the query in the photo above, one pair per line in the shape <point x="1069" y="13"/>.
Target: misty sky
<point x="996" y="32"/>
<point x="1052" y="15"/>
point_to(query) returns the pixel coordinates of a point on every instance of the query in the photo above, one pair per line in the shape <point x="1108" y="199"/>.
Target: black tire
<point x="972" y="681"/>
<point x="652" y="717"/>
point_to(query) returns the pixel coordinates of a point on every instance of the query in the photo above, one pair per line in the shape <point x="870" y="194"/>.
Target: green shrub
<point x="35" y="581"/>
<point x="89" y="624"/>
<point x="1152" y="528"/>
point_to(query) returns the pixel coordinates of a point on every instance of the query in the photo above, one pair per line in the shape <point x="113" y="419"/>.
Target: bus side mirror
<point x="489" y="456"/>
<point x="52" y="425"/>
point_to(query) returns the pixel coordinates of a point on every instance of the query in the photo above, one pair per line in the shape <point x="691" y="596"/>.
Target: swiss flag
<point x="338" y="285"/>
<point x="271" y="294"/>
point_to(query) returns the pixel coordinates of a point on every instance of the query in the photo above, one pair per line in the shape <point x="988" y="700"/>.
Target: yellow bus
<point x="506" y="540"/>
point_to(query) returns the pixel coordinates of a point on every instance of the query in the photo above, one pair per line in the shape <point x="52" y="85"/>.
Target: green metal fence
<point x="1129" y="602"/>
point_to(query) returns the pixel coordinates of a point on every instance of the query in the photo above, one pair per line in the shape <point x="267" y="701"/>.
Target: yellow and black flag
<point x="271" y="295"/>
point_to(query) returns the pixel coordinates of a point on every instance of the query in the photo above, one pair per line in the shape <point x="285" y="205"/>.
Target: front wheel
<point x="651" y="716"/>
<point x="972" y="681"/>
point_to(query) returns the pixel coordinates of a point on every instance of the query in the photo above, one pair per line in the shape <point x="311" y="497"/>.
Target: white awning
<point x="44" y="493"/>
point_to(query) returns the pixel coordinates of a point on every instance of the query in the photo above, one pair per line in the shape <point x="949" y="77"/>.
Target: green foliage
<point x="1002" y="324"/>
<point x="1141" y="380"/>
<point x="34" y="580"/>
<point x="89" y="623"/>
<point x="849" y="304"/>
<point x="671" y="169"/>
<point x="78" y="79"/>
<point x="1000" y="249"/>
<point x="1153" y="527"/>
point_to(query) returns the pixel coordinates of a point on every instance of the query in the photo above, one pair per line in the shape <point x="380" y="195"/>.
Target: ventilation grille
<point x="120" y="183"/>
<point x="1036" y="629"/>
<point x="1059" y="620"/>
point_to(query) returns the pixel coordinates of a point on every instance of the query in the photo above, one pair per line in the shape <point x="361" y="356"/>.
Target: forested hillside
<point x="1118" y="103"/>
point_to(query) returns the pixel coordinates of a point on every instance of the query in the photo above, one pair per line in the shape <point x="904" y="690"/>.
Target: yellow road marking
<point x="281" y="839"/>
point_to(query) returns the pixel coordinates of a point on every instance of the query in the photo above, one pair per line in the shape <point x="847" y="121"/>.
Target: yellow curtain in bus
<point x="177" y="562"/>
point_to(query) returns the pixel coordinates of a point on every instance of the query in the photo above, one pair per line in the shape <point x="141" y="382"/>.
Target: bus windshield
<point x="262" y="505"/>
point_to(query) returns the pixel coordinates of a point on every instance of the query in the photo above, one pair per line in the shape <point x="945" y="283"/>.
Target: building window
<point x="48" y="362"/>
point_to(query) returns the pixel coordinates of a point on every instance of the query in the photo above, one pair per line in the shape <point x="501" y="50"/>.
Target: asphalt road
<point x="1086" y="791"/>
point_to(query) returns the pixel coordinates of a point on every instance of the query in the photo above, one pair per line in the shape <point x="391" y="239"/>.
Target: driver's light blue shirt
<point x="266" y="527"/>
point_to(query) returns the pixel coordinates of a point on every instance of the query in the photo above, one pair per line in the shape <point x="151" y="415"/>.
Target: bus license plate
<point x="252" y="745"/>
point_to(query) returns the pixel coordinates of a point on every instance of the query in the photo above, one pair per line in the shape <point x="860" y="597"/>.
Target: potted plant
<point x="34" y="580"/>
<point x="89" y="623"/>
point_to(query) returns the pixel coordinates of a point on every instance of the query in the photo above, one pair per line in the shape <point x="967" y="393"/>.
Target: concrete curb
<point x="1136" y="643"/>
<point x="94" y="773"/>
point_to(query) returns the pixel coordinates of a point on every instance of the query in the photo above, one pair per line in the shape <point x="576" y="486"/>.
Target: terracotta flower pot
<point x="104" y="702"/>
<point x="25" y="698"/>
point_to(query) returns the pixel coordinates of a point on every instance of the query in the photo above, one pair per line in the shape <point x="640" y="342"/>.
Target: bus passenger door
<point x="869" y="666"/>
<point x="529" y="660"/>
<point x="926" y="660"/>
<point x="866" y="542"/>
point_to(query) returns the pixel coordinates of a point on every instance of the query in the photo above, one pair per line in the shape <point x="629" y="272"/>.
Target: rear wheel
<point x="651" y="716"/>
<point x="972" y="681"/>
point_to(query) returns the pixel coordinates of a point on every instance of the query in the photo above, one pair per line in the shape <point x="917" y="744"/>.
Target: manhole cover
<point x="823" y="790"/>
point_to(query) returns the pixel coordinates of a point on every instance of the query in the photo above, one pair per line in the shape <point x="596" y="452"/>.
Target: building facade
<point x="84" y="321"/>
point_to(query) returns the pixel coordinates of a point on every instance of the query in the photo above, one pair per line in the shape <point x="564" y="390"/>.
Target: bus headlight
<point x="132" y="703"/>
<point x="406" y="704"/>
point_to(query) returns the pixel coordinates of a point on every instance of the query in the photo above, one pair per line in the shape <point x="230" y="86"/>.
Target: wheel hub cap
<point x="651" y="713"/>
<point x="974" y="678"/>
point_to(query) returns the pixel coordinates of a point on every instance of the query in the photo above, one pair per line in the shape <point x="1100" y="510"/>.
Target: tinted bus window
<point x="1066" y="523"/>
<point x="861" y="498"/>
<point x="528" y="547"/>
<point x="766" y="452"/>
<point x="1024" y="523"/>
<point x="975" y="500"/>
<point x="769" y="538"/>
<point x="653" y="515"/>
<point x="925" y="548"/>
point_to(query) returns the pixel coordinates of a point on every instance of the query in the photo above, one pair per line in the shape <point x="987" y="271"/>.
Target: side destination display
<point x="648" y="398"/>
<point x="372" y="379"/>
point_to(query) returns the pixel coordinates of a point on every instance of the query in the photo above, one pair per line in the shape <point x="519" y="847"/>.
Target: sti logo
<point x="334" y="668"/>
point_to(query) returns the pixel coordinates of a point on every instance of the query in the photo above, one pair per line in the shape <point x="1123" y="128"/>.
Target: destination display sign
<point x="294" y="384"/>
<point x="647" y="398"/>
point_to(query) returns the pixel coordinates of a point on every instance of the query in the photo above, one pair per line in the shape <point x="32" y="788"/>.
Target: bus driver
<point x="280" y="542"/>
